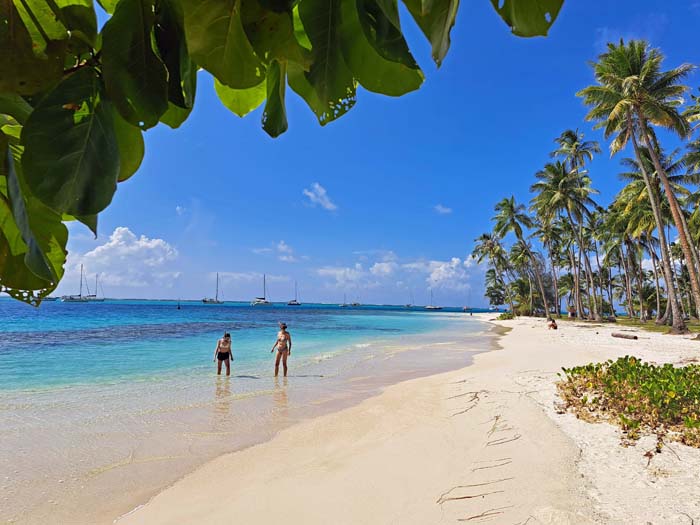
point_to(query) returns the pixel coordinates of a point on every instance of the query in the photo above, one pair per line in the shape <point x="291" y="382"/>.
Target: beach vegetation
<point x="639" y="397"/>
<point x="76" y="98"/>
<point x="640" y="252"/>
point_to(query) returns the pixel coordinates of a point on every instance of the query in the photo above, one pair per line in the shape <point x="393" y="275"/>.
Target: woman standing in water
<point x="284" y="348"/>
<point x="223" y="353"/>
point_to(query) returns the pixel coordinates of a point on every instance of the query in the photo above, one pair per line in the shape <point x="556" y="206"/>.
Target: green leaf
<point x="436" y="19"/>
<point x="274" y="118"/>
<point x="171" y="43"/>
<point x="131" y="148"/>
<point x="528" y="17"/>
<point x="218" y="43"/>
<point x="135" y="77"/>
<point x="15" y="106"/>
<point x="375" y="50"/>
<point x="41" y="23"/>
<point x="71" y="158"/>
<point x="272" y="34"/>
<point x="241" y="101"/>
<point x="34" y="257"/>
<point x="334" y="88"/>
<point x="21" y="70"/>
<point x="32" y="240"/>
<point x="80" y="19"/>
<point x="108" y="5"/>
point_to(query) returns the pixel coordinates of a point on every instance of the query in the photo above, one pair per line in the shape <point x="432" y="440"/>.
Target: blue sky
<point x="409" y="182"/>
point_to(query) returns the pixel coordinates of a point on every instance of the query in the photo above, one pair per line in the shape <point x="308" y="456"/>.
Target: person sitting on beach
<point x="223" y="354"/>
<point x="283" y="344"/>
<point x="551" y="324"/>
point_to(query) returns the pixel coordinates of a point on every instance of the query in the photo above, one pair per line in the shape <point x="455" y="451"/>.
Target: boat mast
<point x="81" y="280"/>
<point x="264" y="287"/>
<point x="217" y="286"/>
<point x="95" y="286"/>
<point x="295" y="291"/>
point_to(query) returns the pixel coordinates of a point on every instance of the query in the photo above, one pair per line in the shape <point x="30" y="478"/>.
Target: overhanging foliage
<point x="75" y="98"/>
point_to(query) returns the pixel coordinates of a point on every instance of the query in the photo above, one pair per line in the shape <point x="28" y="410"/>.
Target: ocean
<point x="104" y="404"/>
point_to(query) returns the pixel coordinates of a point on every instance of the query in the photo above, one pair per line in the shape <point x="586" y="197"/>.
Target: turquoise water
<point x="62" y="344"/>
<point x="121" y="397"/>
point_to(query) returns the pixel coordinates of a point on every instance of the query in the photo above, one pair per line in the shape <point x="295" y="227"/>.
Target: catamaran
<point x="295" y="301"/>
<point x="76" y="298"/>
<point x="215" y="300"/>
<point x="431" y="306"/>
<point x="261" y="301"/>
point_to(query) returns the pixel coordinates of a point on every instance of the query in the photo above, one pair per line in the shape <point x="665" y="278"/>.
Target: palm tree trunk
<point x="678" y="325"/>
<point x="538" y="277"/>
<point x="572" y="262"/>
<point x="652" y="252"/>
<point x="555" y="281"/>
<point x="676" y="212"/>
<point x="628" y="283"/>
<point x="505" y="285"/>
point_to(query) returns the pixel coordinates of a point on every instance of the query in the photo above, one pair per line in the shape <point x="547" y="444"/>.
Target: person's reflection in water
<point x="222" y="401"/>
<point x="280" y="401"/>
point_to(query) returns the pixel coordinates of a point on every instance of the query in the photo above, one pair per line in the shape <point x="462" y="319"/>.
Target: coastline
<point x="476" y="444"/>
<point x="166" y="440"/>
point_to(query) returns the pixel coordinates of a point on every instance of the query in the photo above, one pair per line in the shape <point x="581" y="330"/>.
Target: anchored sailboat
<point x="76" y="298"/>
<point x="215" y="300"/>
<point x="92" y="297"/>
<point x="410" y="304"/>
<point x="295" y="301"/>
<point x="431" y="306"/>
<point x="261" y="301"/>
<point x="345" y="302"/>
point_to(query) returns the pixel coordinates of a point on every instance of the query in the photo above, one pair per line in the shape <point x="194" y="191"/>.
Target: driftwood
<point x="624" y="336"/>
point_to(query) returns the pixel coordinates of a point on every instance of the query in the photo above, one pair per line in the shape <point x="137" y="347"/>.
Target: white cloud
<point x="345" y="276"/>
<point x="283" y="247"/>
<point x="442" y="210"/>
<point x="180" y="210"/>
<point x="317" y="194"/>
<point x="453" y="274"/>
<point x="262" y="251"/>
<point x="383" y="269"/>
<point x="230" y="277"/>
<point x="128" y="260"/>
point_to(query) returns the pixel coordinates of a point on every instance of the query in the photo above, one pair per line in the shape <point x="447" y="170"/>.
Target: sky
<point x="385" y="202"/>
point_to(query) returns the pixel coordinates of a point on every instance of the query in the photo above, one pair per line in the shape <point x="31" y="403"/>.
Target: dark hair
<point x="283" y="325"/>
<point x="226" y="334"/>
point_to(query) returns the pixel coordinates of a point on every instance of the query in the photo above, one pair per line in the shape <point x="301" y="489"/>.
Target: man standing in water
<point x="284" y="348"/>
<point x="223" y="354"/>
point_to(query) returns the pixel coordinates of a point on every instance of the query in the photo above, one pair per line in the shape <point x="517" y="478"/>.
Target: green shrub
<point x="639" y="397"/>
<point x="505" y="316"/>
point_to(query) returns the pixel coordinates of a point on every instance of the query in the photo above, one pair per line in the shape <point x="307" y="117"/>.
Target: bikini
<point x="223" y="356"/>
<point x="282" y="344"/>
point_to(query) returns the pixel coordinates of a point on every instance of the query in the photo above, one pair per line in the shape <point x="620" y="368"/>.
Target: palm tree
<point x="488" y="246"/>
<point x="549" y="232"/>
<point x="511" y="217"/>
<point x="632" y="94"/>
<point x="561" y="189"/>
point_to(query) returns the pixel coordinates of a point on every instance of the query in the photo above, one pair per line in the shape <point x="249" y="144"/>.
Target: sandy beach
<point x="480" y="444"/>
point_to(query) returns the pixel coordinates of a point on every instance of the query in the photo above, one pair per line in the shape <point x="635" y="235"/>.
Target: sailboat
<point x="76" y="298"/>
<point x="431" y="306"/>
<point x="295" y="301"/>
<point x="93" y="297"/>
<point x="345" y="302"/>
<point x="410" y="305"/>
<point x="215" y="300"/>
<point x="261" y="301"/>
<point x="356" y="302"/>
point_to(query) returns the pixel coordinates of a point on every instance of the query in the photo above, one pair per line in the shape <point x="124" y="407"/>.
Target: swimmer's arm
<point x="274" y="346"/>
<point x="289" y="348"/>
<point x="216" y="350"/>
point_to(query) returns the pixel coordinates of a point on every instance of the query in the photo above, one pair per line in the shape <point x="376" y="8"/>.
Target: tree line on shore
<point x="639" y="253"/>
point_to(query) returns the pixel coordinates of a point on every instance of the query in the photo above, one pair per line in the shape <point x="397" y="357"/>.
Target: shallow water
<point x="102" y="405"/>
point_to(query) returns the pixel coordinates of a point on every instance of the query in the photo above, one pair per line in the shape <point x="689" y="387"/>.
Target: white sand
<point x="487" y="436"/>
